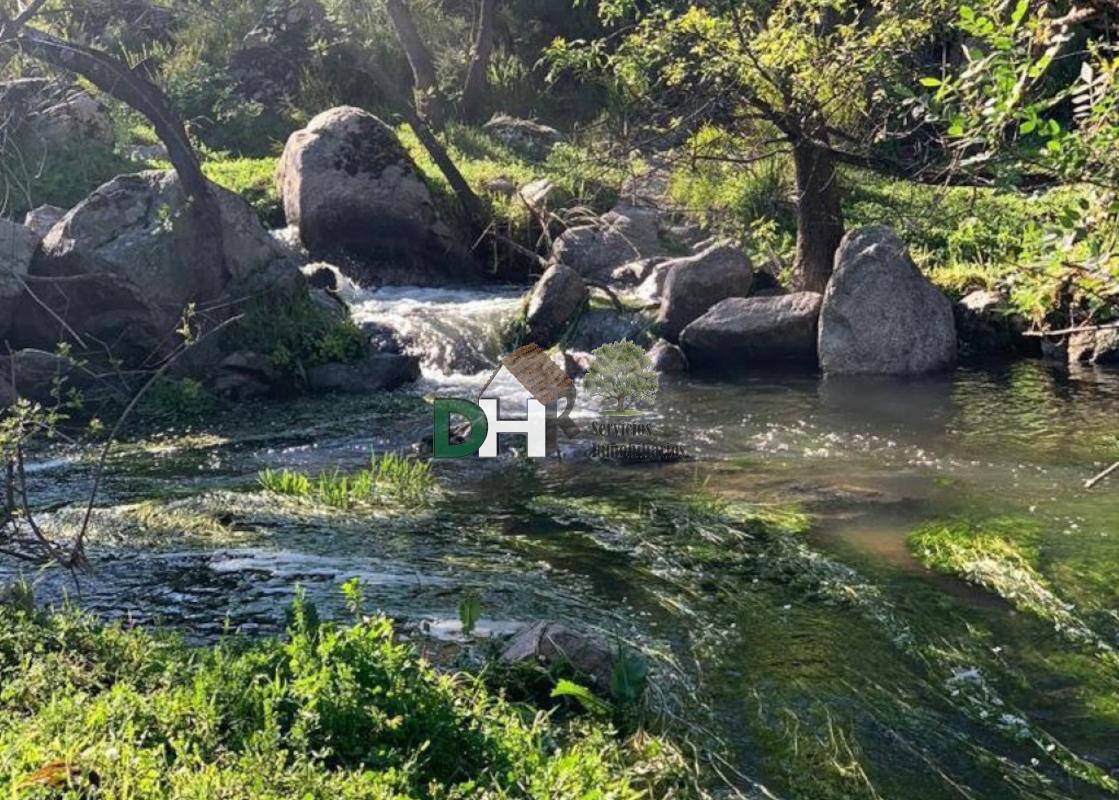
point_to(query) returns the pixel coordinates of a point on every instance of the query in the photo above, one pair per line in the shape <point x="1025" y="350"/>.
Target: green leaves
<point x="470" y="610"/>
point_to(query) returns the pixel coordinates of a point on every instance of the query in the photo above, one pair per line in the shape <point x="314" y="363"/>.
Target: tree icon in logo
<point x="621" y="374"/>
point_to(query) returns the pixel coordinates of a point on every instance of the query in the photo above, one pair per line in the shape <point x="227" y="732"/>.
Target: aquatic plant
<point x="327" y="711"/>
<point x="389" y="478"/>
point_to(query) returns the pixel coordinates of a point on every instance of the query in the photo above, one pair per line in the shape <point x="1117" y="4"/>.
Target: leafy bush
<point x="327" y="711"/>
<point x="182" y="400"/>
<point x="296" y="334"/>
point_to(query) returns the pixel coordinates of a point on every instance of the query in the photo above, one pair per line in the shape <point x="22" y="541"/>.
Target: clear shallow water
<point x="832" y="653"/>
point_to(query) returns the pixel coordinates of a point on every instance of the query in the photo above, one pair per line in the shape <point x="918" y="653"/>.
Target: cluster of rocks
<point x="713" y="311"/>
<point x="270" y="61"/>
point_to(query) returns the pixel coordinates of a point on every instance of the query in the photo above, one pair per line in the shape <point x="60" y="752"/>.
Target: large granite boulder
<point x="558" y="295"/>
<point x="124" y="264"/>
<point x="357" y="199"/>
<point x="17" y="246"/>
<point x="76" y="117"/>
<point x="695" y="283"/>
<point x="621" y="236"/>
<point x="742" y="332"/>
<point x="880" y="315"/>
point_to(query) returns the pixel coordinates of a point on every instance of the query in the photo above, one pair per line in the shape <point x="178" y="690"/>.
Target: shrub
<point x="296" y="334"/>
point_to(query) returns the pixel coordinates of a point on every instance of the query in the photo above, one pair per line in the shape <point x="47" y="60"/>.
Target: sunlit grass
<point x="390" y="478"/>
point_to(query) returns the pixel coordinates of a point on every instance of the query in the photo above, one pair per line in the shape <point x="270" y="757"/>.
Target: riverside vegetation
<point x="848" y="586"/>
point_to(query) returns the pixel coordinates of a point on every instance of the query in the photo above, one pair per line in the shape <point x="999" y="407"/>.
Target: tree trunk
<point x="819" y="215"/>
<point x="115" y="78"/>
<point x="430" y="103"/>
<point x="476" y="72"/>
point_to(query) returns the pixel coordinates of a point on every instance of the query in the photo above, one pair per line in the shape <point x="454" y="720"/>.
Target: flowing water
<point x="805" y="632"/>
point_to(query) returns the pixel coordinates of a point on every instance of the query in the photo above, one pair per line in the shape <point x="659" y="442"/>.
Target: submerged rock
<point x="553" y="644"/>
<point x="695" y="283"/>
<point x="880" y="315"/>
<point x="741" y="332"/>
<point x="558" y="295"/>
<point x="359" y="200"/>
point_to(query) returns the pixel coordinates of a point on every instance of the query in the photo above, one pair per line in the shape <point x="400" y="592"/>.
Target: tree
<point x="822" y="80"/>
<point x="622" y="374"/>
<point x="1036" y="93"/>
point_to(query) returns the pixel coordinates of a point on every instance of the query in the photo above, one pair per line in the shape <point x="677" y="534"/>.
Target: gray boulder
<point x="741" y="332"/>
<point x="695" y="283"/>
<point x="985" y="325"/>
<point x="530" y="137"/>
<point x="599" y="326"/>
<point x="271" y="59"/>
<point x="375" y="372"/>
<point x="558" y="295"/>
<point x="17" y="247"/>
<point x="128" y="260"/>
<point x="36" y="373"/>
<point x="41" y="219"/>
<point x="357" y="199"/>
<point x="668" y="359"/>
<point x="1094" y="347"/>
<point x="553" y="644"/>
<point x="243" y="375"/>
<point x="75" y="117"/>
<point x="880" y="315"/>
<point x="621" y="236"/>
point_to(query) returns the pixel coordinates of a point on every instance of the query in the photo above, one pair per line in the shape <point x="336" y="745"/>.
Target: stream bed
<point x="773" y="578"/>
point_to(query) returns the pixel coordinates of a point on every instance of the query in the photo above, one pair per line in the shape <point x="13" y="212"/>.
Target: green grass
<point x="253" y="179"/>
<point x="31" y="176"/>
<point x="327" y="711"/>
<point x="390" y="478"/>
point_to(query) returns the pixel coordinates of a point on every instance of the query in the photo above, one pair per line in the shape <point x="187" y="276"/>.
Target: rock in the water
<point x="17" y="246"/>
<point x="529" y="137"/>
<point x="985" y="325"/>
<point x="668" y="359"/>
<point x="880" y="315"/>
<point x="599" y="326"/>
<point x="375" y="372"/>
<point x="695" y="283"/>
<point x="1094" y="347"/>
<point x="741" y="332"/>
<point x="130" y="258"/>
<point x="558" y="295"/>
<point x="358" y="200"/>
<point x="243" y="375"/>
<point x="553" y="644"/>
<point x="625" y="234"/>
<point x="40" y="220"/>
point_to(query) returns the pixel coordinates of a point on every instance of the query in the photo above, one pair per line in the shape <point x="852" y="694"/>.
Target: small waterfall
<point x="454" y="332"/>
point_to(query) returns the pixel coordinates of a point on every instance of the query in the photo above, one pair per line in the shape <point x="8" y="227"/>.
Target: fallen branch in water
<point x="1090" y="483"/>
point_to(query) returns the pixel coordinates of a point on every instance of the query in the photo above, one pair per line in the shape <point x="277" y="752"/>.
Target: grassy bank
<point x="326" y="711"/>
